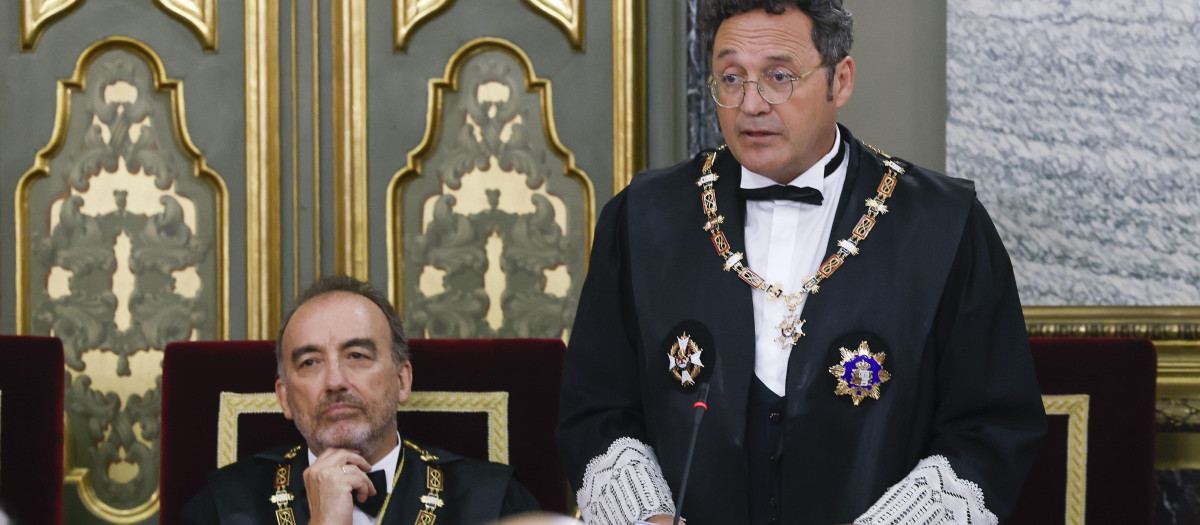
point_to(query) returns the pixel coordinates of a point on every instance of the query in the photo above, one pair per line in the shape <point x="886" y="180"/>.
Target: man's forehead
<point x="777" y="36"/>
<point x="338" y="316"/>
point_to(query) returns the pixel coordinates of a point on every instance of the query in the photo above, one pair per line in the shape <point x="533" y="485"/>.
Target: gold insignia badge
<point x="683" y="360"/>
<point x="860" y="373"/>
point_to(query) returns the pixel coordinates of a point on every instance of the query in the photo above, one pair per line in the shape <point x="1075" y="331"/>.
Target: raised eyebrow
<point x="361" y="342"/>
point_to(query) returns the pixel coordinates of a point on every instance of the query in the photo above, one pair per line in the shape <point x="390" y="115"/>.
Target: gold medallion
<point x="860" y="373"/>
<point x="683" y="360"/>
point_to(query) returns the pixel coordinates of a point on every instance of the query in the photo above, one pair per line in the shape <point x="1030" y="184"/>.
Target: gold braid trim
<point x="1075" y="407"/>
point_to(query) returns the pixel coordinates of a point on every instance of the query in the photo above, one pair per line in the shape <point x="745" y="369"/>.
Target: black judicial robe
<point x="476" y="491"/>
<point x="932" y="287"/>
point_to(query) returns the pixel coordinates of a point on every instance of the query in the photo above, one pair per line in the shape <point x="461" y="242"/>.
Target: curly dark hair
<point x="342" y="283"/>
<point x="832" y="32"/>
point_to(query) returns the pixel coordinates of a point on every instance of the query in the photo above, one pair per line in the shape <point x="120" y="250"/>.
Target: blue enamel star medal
<point x="860" y="373"/>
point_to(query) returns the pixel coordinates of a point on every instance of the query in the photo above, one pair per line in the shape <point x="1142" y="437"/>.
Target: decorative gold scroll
<point x="566" y="14"/>
<point x="200" y="16"/>
<point x="629" y="91"/>
<point x="41" y="169"/>
<point x="37" y="15"/>
<point x="1075" y="407"/>
<point x="409" y="15"/>
<point x="429" y="145"/>
<point x="263" y="251"/>
<point x="177" y="130"/>
<point x="493" y="404"/>
<point x="350" y="138"/>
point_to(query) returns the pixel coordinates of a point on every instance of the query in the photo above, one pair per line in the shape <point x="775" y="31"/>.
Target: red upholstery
<point x="530" y="370"/>
<point x="1119" y="376"/>
<point x="31" y="428"/>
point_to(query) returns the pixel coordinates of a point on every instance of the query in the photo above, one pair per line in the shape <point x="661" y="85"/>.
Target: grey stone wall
<point x="1080" y="123"/>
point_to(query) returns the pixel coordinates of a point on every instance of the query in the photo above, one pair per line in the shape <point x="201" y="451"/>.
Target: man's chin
<point x="759" y="158"/>
<point x="343" y="436"/>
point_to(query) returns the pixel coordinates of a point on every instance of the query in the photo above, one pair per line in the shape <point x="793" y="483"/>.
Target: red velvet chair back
<point x="528" y="370"/>
<point x="31" y="428"/>
<point x="1117" y="421"/>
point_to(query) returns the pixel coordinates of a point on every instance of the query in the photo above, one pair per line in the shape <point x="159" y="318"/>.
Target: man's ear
<point x="404" y="374"/>
<point x="843" y="82"/>
<point x="281" y="396"/>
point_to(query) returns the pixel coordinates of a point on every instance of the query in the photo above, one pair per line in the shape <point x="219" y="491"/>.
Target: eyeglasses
<point x="729" y="91"/>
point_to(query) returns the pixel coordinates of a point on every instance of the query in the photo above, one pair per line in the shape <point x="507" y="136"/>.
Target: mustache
<point x="344" y="397"/>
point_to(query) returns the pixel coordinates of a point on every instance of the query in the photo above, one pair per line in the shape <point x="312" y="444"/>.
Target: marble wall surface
<point x="703" y="132"/>
<point x="1080" y="123"/>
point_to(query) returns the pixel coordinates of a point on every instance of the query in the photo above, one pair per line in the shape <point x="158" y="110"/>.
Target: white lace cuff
<point x="623" y="485"/>
<point x="931" y="494"/>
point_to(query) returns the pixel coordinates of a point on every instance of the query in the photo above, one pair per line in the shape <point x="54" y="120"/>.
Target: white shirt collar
<point x="813" y="177"/>
<point x="387" y="464"/>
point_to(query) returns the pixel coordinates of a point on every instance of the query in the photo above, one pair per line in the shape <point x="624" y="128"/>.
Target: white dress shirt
<point x="388" y="465"/>
<point x="785" y="244"/>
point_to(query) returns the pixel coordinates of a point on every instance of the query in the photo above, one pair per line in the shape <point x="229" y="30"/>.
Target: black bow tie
<point x="374" y="503"/>
<point x="779" y="192"/>
<point x="791" y="193"/>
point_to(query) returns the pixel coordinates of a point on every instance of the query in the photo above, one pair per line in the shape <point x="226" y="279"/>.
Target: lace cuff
<point x="623" y="485"/>
<point x="932" y="493"/>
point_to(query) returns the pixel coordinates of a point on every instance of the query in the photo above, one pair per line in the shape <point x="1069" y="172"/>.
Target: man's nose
<point x="753" y="102"/>
<point x="335" y="377"/>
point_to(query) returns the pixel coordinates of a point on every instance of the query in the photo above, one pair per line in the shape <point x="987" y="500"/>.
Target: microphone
<point x="701" y="406"/>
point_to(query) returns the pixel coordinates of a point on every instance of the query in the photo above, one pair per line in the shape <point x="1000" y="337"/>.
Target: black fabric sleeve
<point x="200" y="510"/>
<point x="989" y="419"/>
<point x="601" y="400"/>
<point x="517" y="499"/>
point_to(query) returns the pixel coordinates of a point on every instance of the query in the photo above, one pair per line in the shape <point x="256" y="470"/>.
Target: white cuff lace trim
<point x="931" y="494"/>
<point x="623" y="485"/>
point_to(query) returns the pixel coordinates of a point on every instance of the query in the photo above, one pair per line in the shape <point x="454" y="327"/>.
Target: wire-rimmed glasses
<point x="775" y="87"/>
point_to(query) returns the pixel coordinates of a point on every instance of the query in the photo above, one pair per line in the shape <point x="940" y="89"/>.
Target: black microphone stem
<point x="701" y="407"/>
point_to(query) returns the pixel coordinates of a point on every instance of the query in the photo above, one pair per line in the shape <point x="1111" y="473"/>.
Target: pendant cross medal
<point x="791" y="329"/>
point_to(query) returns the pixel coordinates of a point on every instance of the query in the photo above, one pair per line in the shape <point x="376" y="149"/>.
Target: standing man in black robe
<point x="343" y="369"/>
<point x="869" y="380"/>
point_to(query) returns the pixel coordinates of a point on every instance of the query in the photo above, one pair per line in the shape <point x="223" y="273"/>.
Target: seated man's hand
<point x="331" y="481"/>
<point x="661" y="519"/>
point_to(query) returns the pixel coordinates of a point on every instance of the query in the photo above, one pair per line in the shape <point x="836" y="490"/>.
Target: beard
<point x="361" y="432"/>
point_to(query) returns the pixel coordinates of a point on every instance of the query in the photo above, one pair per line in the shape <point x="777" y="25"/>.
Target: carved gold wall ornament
<point x="37" y="15"/>
<point x="629" y="90"/>
<point x="351" y="202"/>
<point x="490" y="223"/>
<point x="409" y="15"/>
<point x="122" y="241"/>
<point x="1075" y="407"/>
<point x="566" y="14"/>
<point x="263" y="245"/>
<point x="493" y="404"/>
<point x="200" y="16"/>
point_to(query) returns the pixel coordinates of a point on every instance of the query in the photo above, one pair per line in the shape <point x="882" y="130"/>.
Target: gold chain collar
<point x="434" y="481"/>
<point x="791" y="328"/>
